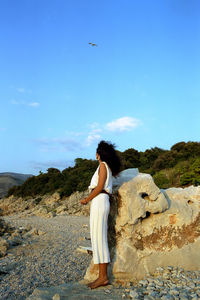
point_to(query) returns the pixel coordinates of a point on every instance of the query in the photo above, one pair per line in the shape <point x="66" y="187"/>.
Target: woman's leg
<point x="102" y="280"/>
<point x="103" y="271"/>
<point x="98" y="229"/>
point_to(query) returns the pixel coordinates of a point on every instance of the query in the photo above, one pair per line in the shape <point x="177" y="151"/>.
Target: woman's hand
<point x="84" y="201"/>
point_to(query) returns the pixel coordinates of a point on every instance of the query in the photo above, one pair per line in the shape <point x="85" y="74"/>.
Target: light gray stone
<point x="3" y="247"/>
<point x="133" y="294"/>
<point x="154" y="229"/>
<point x="72" y="291"/>
<point x="124" y="176"/>
<point x="174" y="292"/>
<point x="56" y="297"/>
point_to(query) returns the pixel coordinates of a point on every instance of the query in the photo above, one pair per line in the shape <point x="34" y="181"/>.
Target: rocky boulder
<point x="124" y="176"/>
<point x="46" y="206"/>
<point x="151" y="228"/>
<point x="11" y="236"/>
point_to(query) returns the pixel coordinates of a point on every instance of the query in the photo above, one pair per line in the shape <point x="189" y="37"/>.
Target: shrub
<point x="161" y="180"/>
<point x="178" y="166"/>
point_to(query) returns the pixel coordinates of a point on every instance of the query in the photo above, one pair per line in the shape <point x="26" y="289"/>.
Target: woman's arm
<point x="100" y="185"/>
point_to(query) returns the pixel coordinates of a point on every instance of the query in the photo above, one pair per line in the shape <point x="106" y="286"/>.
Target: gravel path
<point x="52" y="263"/>
<point x="47" y="260"/>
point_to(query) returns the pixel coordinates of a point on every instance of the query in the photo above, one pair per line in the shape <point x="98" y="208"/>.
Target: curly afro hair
<point x="107" y="153"/>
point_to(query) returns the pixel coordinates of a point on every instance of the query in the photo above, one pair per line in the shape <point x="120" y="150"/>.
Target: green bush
<point x="182" y="167"/>
<point x="187" y="178"/>
<point x="178" y="166"/>
<point x="195" y="166"/>
<point x="161" y="180"/>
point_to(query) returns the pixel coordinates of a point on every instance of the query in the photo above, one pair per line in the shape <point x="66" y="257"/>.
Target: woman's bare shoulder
<point x="102" y="167"/>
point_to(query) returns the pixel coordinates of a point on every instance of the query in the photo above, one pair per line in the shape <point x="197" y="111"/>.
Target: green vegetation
<point x="65" y="182"/>
<point x="179" y="166"/>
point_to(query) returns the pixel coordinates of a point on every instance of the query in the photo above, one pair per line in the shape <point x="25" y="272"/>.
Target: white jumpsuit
<point x="99" y="211"/>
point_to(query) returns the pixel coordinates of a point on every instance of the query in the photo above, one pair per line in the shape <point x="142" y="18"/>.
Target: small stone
<point x="153" y="294"/>
<point x="123" y="296"/>
<point x="148" y="298"/>
<point x="107" y="291"/>
<point x="15" y="241"/>
<point x="151" y="287"/>
<point x="83" y="249"/>
<point x="159" y="269"/>
<point x="150" y="279"/>
<point x="167" y="297"/>
<point x="56" y="297"/>
<point x="33" y="231"/>
<point x="181" y="270"/>
<point x="143" y="282"/>
<point x="3" y="242"/>
<point x="3" y="251"/>
<point x="51" y="214"/>
<point x="16" y="233"/>
<point x="183" y="296"/>
<point x="191" y="285"/>
<point x="159" y="283"/>
<point x="174" y="292"/>
<point x="40" y="232"/>
<point x="133" y="294"/>
<point x="28" y="227"/>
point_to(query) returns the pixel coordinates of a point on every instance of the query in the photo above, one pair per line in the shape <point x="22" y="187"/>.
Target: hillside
<point x="8" y="180"/>
<point x="179" y="166"/>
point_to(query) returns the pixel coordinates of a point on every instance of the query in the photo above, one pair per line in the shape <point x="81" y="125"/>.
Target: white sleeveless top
<point x="95" y="179"/>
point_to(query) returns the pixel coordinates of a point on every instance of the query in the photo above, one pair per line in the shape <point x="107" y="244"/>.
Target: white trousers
<point x="99" y="211"/>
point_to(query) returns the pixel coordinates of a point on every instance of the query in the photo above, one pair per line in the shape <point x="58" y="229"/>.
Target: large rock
<point x="73" y="207"/>
<point x="45" y="206"/>
<point x="74" y="291"/>
<point x="138" y="197"/>
<point x="14" y="205"/>
<point x="51" y="200"/>
<point x="3" y="247"/>
<point x="149" y="227"/>
<point x="11" y="236"/>
<point x="124" y="176"/>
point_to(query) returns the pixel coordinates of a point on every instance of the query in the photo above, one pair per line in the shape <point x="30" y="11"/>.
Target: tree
<point x="161" y="180"/>
<point x="148" y="157"/>
<point x="130" y="158"/>
<point x="178" y="146"/>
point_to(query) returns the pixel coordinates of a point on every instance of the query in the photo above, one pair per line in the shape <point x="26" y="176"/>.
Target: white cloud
<point x="118" y="125"/>
<point x="76" y="141"/>
<point x="33" y="104"/>
<point x="58" y="144"/>
<point x="92" y="137"/>
<point x="74" y="133"/>
<point x="122" y="124"/>
<point x="94" y="126"/>
<point x="43" y="166"/>
<point x="21" y="90"/>
<point x="94" y="134"/>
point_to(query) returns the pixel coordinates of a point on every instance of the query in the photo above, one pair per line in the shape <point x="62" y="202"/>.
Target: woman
<point x="101" y="188"/>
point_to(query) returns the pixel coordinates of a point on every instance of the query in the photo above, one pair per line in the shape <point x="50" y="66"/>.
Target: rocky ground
<point x="48" y="266"/>
<point x="47" y="259"/>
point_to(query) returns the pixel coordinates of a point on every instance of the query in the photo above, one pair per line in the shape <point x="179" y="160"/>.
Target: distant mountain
<point x="8" y="180"/>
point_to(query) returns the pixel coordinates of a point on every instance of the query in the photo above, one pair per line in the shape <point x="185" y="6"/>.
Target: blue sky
<point x="138" y="88"/>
